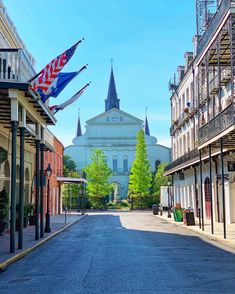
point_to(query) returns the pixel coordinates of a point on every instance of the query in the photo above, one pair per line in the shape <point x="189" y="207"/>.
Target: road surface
<point x="123" y="252"/>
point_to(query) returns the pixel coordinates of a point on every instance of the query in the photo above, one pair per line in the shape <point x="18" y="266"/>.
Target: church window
<point x="115" y="163"/>
<point x="125" y="164"/>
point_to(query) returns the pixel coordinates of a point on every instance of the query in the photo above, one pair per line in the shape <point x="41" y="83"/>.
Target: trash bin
<point x="155" y="209"/>
<point x="189" y="219"/>
<point x="178" y="214"/>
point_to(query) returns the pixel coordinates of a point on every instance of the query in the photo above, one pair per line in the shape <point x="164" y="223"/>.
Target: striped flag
<point x="56" y="108"/>
<point x="47" y="75"/>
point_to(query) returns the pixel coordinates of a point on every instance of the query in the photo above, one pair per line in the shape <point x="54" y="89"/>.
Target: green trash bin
<point x="179" y="214"/>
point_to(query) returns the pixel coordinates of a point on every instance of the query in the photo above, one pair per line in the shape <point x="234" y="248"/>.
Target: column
<point x="37" y="182"/>
<point x="42" y="182"/>
<point x="14" y="124"/>
<point x="223" y="191"/>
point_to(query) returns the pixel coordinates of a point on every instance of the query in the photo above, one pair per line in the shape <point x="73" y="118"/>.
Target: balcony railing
<point x="186" y="157"/>
<point x="217" y="125"/>
<point x="214" y="24"/>
<point x="15" y="66"/>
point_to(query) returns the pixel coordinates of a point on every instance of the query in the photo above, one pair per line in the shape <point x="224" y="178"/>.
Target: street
<point x="123" y="252"/>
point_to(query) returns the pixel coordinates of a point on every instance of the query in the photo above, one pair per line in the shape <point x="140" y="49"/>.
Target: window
<point x="125" y="164"/>
<point x="115" y="163"/>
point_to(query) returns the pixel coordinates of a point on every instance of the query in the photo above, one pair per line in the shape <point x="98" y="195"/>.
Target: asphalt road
<point x="123" y="252"/>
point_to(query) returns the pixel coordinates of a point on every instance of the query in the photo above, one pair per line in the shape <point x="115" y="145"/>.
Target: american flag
<point x="47" y="75"/>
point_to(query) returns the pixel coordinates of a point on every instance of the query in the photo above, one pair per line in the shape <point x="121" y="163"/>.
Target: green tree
<point x="69" y="166"/>
<point x="98" y="174"/>
<point x="160" y="179"/>
<point x="140" y="177"/>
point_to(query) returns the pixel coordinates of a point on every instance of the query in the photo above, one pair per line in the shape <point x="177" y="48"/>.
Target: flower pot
<point x="3" y="225"/>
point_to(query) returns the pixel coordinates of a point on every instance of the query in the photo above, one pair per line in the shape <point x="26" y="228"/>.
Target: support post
<point x="13" y="186"/>
<point x="21" y="189"/>
<point x="223" y="191"/>
<point x="37" y="194"/>
<point x="42" y="180"/>
<point x="211" y="198"/>
<point x="201" y="190"/>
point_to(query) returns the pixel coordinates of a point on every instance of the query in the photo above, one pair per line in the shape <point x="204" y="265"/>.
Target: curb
<point x="22" y="254"/>
<point x="203" y="234"/>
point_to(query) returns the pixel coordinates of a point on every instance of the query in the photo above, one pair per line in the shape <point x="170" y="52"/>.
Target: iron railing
<point x="217" y="125"/>
<point x="186" y="157"/>
<point x="214" y="24"/>
<point x="15" y="66"/>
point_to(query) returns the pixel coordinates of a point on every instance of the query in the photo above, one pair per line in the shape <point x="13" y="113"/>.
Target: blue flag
<point x="59" y="84"/>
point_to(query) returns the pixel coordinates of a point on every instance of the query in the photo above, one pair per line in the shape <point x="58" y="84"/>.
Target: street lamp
<point x="48" y="173"/>
<point x="169" y="205"/>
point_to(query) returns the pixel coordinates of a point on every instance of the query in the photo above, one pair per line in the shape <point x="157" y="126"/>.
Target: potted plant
<point x="31" y="214"/>
<point x="186" y="110"/>
<point x="4" y="206"/>
<point x="28" y="211"/>
<point x="175" y="122"/>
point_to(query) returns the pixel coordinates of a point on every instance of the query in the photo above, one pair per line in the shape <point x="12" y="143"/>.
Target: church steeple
<point x="146" y="125"/>
<point x="79" y="129"/>
<point x="112" y="100"/>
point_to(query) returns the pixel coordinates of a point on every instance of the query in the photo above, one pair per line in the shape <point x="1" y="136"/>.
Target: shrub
<point x="4" y="204"/>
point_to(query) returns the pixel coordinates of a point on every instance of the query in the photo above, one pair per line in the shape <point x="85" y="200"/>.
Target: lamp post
<point x="169" y="205"/>
<point x="48" y="173"/>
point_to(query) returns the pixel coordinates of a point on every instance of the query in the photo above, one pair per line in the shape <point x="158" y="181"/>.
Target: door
<point x="207" y="197"/>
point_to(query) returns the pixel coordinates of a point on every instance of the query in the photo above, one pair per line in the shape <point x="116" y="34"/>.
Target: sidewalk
<point x="218" y="235"/>
<point x="57" y="225"/>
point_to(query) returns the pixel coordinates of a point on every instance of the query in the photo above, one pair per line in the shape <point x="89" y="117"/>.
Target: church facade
<point x="114" y="132"/>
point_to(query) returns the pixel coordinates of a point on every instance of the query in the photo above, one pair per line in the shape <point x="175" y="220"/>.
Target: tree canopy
<point x="98" y="174"/>
<point x="160" y="179"/>
<point x="69" y="166"/>
<point x="140" y="176"/>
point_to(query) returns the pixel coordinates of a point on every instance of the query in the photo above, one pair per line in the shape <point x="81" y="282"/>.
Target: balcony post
<point x="14" y="126"/>
<point x="232" y="49"/>
<point x="201" y="190"/>
<point x="222" y="178"/>
<point x="219" y="73"/>
<point x="37" y="182"/>
<point x="207" y="86"/>
<point x="211" y="198"/>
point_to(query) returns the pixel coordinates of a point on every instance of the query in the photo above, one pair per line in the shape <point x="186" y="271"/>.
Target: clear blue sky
<point x="146" y="38"/>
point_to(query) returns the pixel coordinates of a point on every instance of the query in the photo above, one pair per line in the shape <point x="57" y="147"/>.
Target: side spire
<point x="112" y="100"/>
<point x="146" y="125"/>
<point x="79" y="129"/>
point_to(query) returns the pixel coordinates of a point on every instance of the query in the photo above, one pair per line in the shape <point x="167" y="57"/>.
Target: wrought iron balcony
<point x="15" y="66"/>
<point x="214" y="24"/>
<point x="217" y="125"/>
<point x="186" y="157"/>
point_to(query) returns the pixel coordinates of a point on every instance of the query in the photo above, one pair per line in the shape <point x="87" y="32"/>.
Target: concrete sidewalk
<point x="218" y="235"/>
<point x="58" y="224"/>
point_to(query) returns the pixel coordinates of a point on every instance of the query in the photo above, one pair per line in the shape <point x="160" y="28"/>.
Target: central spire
<point x="112" y="100"/>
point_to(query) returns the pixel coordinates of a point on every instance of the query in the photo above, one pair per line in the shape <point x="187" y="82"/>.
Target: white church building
<point x="114" y="132"/>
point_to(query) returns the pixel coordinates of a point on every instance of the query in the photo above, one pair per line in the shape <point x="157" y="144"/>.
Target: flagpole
<point x="34" y="77"/>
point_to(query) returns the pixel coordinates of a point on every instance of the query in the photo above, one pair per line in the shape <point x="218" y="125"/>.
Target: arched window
<point x="125" y="163"/>
<point x="115" y="163"/>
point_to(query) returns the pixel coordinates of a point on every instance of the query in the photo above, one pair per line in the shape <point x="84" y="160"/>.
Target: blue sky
<point x="146" y="38"/>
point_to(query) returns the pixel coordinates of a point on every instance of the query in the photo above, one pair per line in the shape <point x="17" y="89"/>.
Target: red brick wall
<point x="56" y="161"/>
